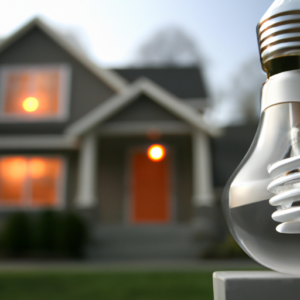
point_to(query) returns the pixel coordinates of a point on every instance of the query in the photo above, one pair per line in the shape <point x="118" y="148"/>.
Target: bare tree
<point x="170" y="46"/>
<point x="239" y="103"/>
<point x="2" y="40"/>
<point x="246" y="89"/>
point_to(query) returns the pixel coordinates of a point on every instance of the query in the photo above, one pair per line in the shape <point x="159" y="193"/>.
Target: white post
<point x="86" y="197"/>
<point x="202" y="171"/>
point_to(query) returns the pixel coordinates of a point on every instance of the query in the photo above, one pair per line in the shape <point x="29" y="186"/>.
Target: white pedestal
<point x="255" y="285"/>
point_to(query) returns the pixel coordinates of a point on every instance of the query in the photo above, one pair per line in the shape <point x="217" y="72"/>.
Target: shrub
<point x="16" y="236"/>
<point x="51" y="234"/>
<point x="73" y="236"/>
<point x="46" y="232"/>
<point x="226" y="249"/>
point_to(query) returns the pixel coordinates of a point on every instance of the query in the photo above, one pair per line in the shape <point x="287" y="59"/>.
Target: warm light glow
<point x="156" y="152"/>
<point x="14" y="168"/>
<point x="36" y="168"/>
<point x="30" y="104"/>
<point x="30" y="181"/>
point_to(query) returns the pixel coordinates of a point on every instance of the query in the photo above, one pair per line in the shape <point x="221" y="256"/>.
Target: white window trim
<point x="61" y="186"/>
<point x="64" y="93"/>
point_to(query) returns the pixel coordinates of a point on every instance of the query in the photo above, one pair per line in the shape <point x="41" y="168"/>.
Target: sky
<point x="113" y="30"/>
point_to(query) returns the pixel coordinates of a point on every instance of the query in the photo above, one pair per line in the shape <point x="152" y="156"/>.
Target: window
<point x="34" y="93"/>
<point x="31" y="181"/>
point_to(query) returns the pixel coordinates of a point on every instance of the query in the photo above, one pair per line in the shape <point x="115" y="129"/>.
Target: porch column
<point x="86" y="190"/>
<point x="203" y="194"/>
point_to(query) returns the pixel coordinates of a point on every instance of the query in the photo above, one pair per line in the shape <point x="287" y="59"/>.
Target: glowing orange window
<point x="12" y="179"/>
<point x="30" y="181"/>
<point x="34" y="93"/>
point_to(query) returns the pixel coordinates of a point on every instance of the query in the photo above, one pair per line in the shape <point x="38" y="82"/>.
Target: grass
<point x="90" y="285"/>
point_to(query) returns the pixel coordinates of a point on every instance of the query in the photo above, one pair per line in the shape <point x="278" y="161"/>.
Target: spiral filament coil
<point x="286" y="187"/>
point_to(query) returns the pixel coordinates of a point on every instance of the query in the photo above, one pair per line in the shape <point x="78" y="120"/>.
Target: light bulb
<point x="262" y="199"/>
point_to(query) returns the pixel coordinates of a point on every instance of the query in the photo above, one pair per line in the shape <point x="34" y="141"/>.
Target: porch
<point x="109" y="140"/>
<point x="147" y="242"/>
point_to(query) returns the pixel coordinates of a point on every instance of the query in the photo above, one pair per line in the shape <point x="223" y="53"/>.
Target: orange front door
<point x="150" y="190"/>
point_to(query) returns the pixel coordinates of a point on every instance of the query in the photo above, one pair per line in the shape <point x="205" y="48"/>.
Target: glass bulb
<point x="262" y="199"/>
<point x="249" y="213"/>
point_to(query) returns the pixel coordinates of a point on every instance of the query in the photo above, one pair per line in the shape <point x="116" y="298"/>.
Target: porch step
<point x="144" y="242"/>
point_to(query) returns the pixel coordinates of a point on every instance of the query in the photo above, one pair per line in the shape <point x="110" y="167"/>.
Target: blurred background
<point x="120" y="124"/>
<point x="220" y="36"/>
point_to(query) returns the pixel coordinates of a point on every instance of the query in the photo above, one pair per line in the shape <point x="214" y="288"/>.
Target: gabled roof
<point x="183" y="82"/>
<point x="112" y="79"/>
<point x="128" y="95"/>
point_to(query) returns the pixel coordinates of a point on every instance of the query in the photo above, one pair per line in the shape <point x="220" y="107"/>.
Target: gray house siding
<point x="87" y="91"/>
<point x="111" y="180"/>
<point x="229" y="150"/>
<point x="184" y="179"/>
<point x="143" y="109"/>
<point x="114" y="176"/>
<point x="72" y="176"/>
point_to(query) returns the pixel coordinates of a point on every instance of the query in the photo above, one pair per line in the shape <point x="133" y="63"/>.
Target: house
<point x="128" y="149"/>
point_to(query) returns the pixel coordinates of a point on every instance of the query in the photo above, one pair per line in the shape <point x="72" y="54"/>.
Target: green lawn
<point x="90" y="285"/>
